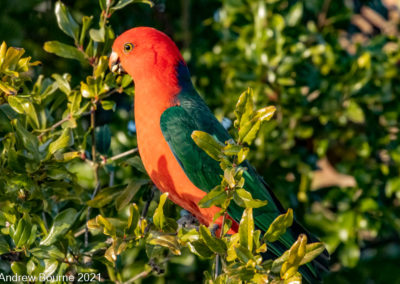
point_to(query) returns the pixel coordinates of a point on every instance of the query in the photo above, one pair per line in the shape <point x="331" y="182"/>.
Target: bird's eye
<point x="128" y="47"/>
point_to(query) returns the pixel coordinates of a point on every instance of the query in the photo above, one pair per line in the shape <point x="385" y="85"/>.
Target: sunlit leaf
<point x="64" y="50"/>
<point x="213" y="243"/>
<point x="215" y="197"/>
<point x="208" y="144"/>
<point x="244" y="199"/>
<point x="278" y="226"/>
<point x="65" y="21"/>
<point x="246" y="229"/>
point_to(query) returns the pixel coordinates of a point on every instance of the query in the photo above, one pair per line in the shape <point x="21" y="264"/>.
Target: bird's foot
<point x="187" y="220"/>
<point x="214" y="229"/>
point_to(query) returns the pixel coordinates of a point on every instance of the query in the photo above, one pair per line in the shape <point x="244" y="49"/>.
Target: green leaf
<point x="278" y="226"/>
<point x="126" y="196"/>
<point x="355" y="113"/>
<point x="244" y="108"/>
<point x="47" y="252"/>
<point x="74" y="102"/>
<point x="243" y="254"/>
<point x="105" y="196"/>
<point x="244" y="199"/>
<point x="22" y="232"/>
<point x="215" y="197"/>
<point x="24" y="106"/>
<point x="160" y="221"/>
<point x="109" y="228"/>
<point x="18" y="268"/>
<point x="65" y="140"/>
<point x="65" y="21"/>
<point x="50" y="267"/>
<point x="200" y="248"/>
<point x="266" y="113"/>
<point x="233" y="243"/>
<point x="4" y="247"/>
<point x="30" y="141"/>
<point x="86" y="21"/>
<point x="108" y="105"/>
<point x="122" y="3"/>
<point x="133" y="218"/>
<point x="248" y="132"/>
<point x="168" y="241"/>
<point x="11" y="58"/>
<point x="229" y="176"/>
<point x="242" y="155"/>
<point x="312" y="251"/>
<point x="296" y="254"/>
<point x="62" y="223"/>
<point x="137" y="163"/>
<point x="246" y="229"/>
<point x="98" y="35"/>
<point x="101" y="67"/>
<point x="350" y="255"/>
<point x="208" y="144"/>
<point x="64" y="50"/>
<point x="6" y="88"/>
<point x="213" y="243"/>
<point x="63" y="82"/>
<point x="392" y="186"/>
<point x="295" y="13"/>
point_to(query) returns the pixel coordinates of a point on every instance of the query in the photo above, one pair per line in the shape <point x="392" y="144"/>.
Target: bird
<point x="167" y="109"/>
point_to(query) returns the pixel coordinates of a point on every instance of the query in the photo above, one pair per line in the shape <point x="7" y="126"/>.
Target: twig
<point x="121" y="155"/>
<point x="217" y="258"/>
<point x="216" y="267"/>
<point x="142" y="274"/>
<point x="95" y="167"/>
<point x="55" y="125"/>
<point x="322" y="15"/>
<point x="146" y="207"/>
<point x="59" y="123"/>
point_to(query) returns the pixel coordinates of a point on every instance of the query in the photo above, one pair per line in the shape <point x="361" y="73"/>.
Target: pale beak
<point x="115" y="64"/>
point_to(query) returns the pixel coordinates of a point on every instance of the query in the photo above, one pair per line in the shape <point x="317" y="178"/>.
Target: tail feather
<point x="312" y="272"/>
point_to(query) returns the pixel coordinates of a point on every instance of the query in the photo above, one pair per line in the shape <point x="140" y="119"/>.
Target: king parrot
<point x="167" y="110"/>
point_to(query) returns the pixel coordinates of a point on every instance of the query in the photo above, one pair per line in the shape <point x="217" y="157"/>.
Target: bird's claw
<point x="187" y="220"/>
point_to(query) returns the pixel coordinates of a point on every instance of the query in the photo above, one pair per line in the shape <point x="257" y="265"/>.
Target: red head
<point x="147" y="55"/>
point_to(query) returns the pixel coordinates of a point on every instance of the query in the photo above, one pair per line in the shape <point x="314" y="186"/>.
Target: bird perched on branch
<point x="167" y="111"/>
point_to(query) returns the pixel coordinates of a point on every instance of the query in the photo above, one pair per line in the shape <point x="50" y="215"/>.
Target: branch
<point x="59" y="123"/>
<point x="55" y="125"/>
<point x="142" y="274"/>
<point x="95" y="166"/>
<point x="119" y="156"/>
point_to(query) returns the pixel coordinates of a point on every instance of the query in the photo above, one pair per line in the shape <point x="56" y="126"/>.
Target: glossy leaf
<point x="279" y="226"/>
<point x="61" y="224"/>
<point x="215" y="197"/>
<point x="246" y="229"/>
<point x="65" y="21"/>
<point x="208" y="144"/>
<point x="213" y="243"/>
<point x="65" y="140"/>
<point x="244" y="199"/>
<point x="64" y="50"/>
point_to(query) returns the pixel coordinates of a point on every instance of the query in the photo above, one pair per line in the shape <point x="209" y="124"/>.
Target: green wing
<point x="178" y="123"/>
